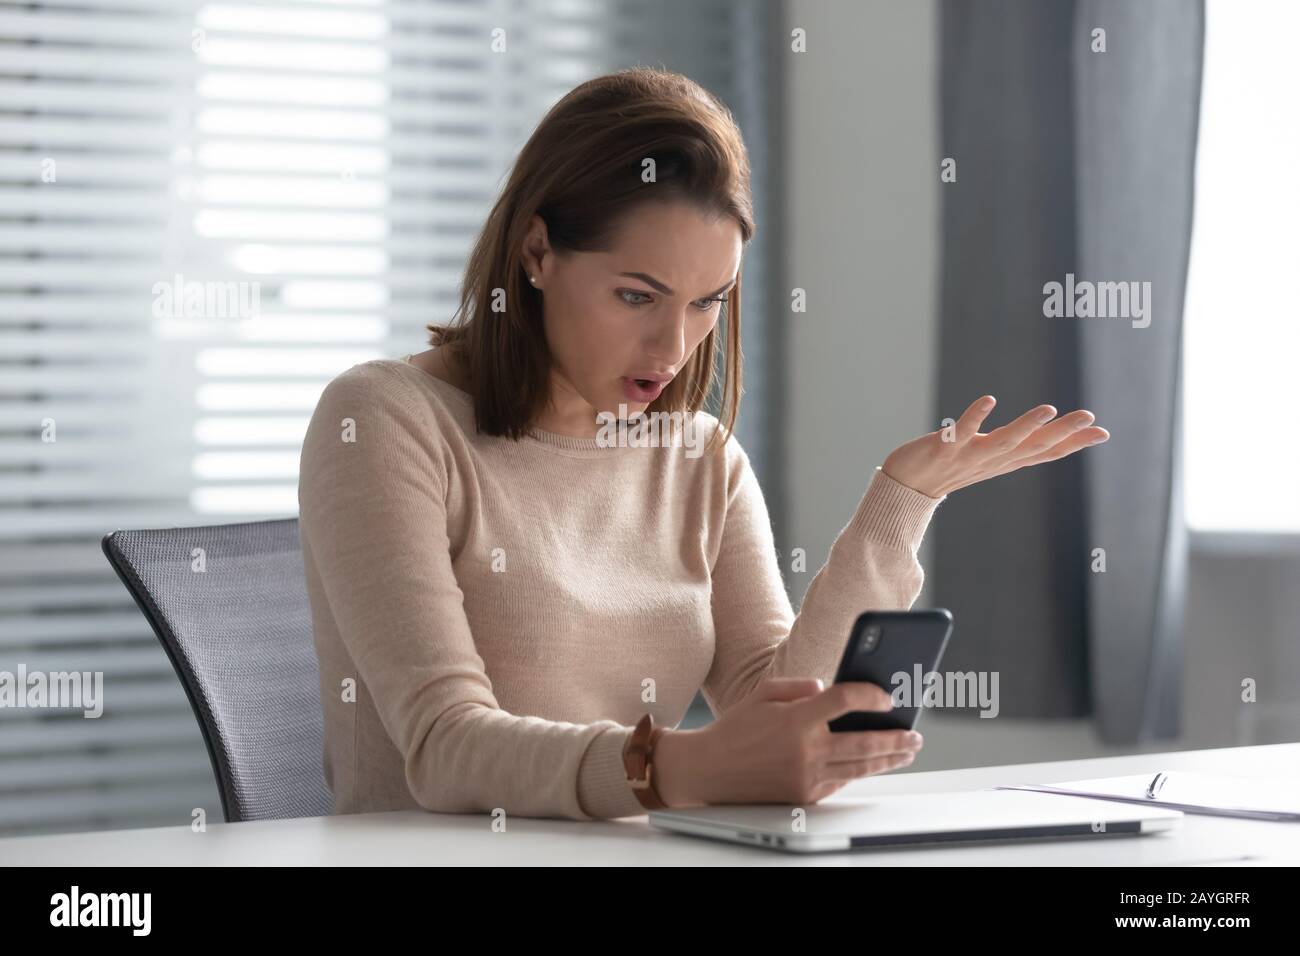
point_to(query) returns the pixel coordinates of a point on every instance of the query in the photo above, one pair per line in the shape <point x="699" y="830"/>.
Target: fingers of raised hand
<point x="968" y="425"/>
<point x="1032" y="435"/>
<point x="1077" y="441"/>
<point x="1005" y="440"/>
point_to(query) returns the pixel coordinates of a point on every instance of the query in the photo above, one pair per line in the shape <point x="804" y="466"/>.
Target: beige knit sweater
<point x="492" y="617"/>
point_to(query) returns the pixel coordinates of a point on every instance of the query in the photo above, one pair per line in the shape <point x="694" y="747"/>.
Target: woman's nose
<point x="668" y="345"/>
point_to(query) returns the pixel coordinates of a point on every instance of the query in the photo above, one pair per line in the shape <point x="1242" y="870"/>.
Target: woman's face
<point x="638" y="311"/>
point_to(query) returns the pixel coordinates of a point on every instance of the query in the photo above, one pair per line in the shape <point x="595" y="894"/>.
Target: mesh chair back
<point x="229" y="604"/>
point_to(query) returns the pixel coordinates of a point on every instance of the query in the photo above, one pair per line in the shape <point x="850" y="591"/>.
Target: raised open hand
<point x="958" y="455"/>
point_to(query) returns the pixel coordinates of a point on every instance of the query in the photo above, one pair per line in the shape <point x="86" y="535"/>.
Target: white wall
<point x="862" y="220"/>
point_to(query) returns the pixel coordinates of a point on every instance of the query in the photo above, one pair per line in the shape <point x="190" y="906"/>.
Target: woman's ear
<point x="535" y="252"/>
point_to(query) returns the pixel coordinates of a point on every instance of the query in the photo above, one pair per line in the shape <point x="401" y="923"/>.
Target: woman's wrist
<point x="678" y="777"/>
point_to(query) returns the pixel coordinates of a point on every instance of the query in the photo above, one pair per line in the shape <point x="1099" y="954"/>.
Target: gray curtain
<point x="1069" y="161"/>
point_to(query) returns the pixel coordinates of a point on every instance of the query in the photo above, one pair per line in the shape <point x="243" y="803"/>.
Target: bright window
<point x="1242" y="336"/>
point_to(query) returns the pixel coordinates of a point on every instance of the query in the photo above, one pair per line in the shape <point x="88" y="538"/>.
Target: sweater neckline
<point x="570" y="444"/>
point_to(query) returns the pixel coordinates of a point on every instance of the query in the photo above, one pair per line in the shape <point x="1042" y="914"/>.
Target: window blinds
<point x="315" y="174"/>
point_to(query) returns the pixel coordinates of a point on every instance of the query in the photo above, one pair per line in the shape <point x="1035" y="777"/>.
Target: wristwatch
<point x="638" y="760"/>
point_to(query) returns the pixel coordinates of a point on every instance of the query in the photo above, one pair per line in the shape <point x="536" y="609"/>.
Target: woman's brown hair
<point x="581" y="171"/>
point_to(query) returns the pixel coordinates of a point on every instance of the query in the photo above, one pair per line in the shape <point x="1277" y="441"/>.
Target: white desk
<point x="415" y="838"/>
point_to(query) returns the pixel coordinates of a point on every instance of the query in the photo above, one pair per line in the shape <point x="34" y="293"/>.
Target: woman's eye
<point x="704" y="305"/>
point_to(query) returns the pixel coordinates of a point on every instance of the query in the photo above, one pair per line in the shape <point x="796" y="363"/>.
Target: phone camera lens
<point x="870" y="638"/>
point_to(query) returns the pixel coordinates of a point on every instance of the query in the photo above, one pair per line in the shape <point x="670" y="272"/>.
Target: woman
<point x="500" y="592"/>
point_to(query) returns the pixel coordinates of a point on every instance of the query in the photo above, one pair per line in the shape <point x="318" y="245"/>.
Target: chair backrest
<point x="229" y="604"/>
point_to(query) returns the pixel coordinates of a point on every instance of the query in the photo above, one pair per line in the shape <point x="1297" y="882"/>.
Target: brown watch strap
<point x="638" y="760"/>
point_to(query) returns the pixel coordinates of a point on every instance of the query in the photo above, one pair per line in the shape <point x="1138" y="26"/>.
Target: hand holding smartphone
<point x="884" y="644"/>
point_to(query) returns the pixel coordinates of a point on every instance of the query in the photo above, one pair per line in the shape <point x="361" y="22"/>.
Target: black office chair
<point x="235" y="622"/>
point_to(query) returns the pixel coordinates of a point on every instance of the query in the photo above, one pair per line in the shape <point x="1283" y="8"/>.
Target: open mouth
<point x="643" y="389"/>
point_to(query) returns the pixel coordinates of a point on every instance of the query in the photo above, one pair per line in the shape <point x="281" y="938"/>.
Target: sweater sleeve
<point x="872" y="566"/>
<point x="372" y="511"/>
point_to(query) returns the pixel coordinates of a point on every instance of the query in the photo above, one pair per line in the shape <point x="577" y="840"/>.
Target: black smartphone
<point x="890" y="648"/>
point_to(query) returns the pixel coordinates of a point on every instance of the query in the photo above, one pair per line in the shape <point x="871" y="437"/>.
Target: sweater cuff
<point x="893" y="514"/>
<point x="603" y="792"/>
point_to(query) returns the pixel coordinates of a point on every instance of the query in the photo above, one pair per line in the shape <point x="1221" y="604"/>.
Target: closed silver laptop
<point x="894" y="820"/>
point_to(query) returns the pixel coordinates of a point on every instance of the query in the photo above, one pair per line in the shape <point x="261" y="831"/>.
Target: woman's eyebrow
<point x="651" y="280"/>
